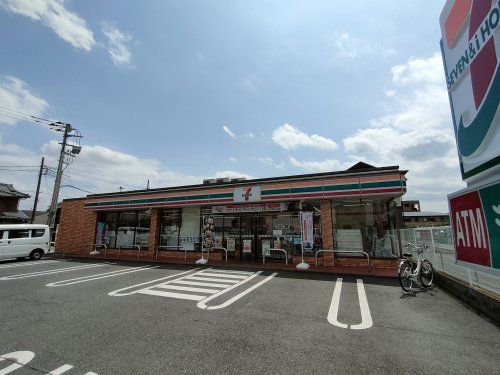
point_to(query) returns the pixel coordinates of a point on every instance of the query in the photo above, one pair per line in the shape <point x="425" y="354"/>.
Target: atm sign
<point x="469" y="229"/>
<point x="475" y="218"/>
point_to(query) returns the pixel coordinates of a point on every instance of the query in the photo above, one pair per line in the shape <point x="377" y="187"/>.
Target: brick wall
<point x="154" y="234"/>
<point x="327" y="229"/>
<point x="76" y="228"/>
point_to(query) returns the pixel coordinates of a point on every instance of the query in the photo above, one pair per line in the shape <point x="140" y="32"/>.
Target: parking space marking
<point x="19" y="358"/>
<point x="61" y="370"/>
<point x="366" y="317"/>
<point x="199" y="294"/>
<point x="99" y="276"/>
<point x="50" y="272"/>
<point x="119" y="292"/>
<point x="202" y="286"/>
<point x="202" y="304"/>
<point x="25" y="264"/>
<point x="22" y="358"/>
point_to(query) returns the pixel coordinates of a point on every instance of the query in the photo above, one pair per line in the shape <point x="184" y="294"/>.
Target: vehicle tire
<point x="404" y="275"/>
<point x="426" y="273"/>
<point x="36" y="254"/>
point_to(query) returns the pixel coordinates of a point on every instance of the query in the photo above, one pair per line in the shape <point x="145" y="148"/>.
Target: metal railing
<point x="211" y="249"/>
<point x="129" y="247"/>
<point x="442" y="257"/>
<point x="268" y="251"/>
<point x="170" y="247"/>
<point x="343" y="252"/>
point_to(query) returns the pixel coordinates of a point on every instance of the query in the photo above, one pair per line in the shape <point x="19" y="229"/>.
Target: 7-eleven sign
<point x="247" y="194"/>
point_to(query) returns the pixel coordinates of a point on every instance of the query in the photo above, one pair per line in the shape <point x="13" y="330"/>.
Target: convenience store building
<point x="355" y="209"/>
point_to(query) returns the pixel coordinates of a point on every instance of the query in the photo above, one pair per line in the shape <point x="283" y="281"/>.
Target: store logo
<point x="247" y="194"/>
<point x="470" y="29"/>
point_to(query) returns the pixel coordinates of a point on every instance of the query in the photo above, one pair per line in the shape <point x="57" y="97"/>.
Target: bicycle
<point x="410" y="271"/>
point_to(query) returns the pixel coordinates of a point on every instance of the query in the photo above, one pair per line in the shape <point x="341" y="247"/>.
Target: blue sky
<point x="174" y="91"/>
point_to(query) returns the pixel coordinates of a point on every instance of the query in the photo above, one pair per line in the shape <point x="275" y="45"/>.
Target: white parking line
<point x="50" y="272"/>
<point x="366" y="318"/>
<point x="202" y="286"/>
<point x="202" y="304"/>
<point x="61" y="370"/>
<point x="27" y="263"/>
<point x="22" y="358"/>
<point x="99" y="276"/>
<point x="225" y="275"/>
<point x="213" y="279"/>
<point x="118" y="293"/>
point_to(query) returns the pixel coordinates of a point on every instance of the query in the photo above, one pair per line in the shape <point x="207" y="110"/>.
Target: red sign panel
<point x="469" y="229"/>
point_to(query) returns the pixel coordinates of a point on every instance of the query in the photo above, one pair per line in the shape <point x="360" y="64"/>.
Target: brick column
<point x="327" y="230"/>
<point x="76" y="230"/>
<point x="154" y="233"/>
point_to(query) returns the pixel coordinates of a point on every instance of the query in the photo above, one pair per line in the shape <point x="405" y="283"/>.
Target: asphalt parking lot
<point x="94" y="317"/>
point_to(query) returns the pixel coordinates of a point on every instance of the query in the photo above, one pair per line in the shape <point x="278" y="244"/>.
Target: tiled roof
<point x="8" y="191"/>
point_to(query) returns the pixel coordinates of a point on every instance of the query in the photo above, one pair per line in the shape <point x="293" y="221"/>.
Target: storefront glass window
<point x="107" y="224"/>
<point x="232" y="236"/>
<point x="189" y="237"/>
<point x="365" y="225"/>
<point x="124" y="228"/>
<point x="170" y="226"/>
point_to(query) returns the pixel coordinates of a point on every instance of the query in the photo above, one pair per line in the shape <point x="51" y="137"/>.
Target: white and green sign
<point x="470" y="47"/>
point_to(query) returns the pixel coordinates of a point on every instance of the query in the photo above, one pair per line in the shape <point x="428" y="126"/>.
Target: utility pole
<point x="33" y="213"/>
<point x="68" y="131"/>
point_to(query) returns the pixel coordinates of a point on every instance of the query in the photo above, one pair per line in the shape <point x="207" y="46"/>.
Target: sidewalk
<point x="277" y="266"/>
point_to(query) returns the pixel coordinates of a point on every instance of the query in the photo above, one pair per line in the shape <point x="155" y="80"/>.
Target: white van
<point x="24" y="240"/>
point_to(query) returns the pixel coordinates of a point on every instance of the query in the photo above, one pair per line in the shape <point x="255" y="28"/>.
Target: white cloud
<point x="96" y="169"/>
<point x="52" y="13"/>
<point x="416" y="133"/>
<point x="15" y="96"/>
<point x="419" y="70"/>
<point x="290" y="138"/>
<point x="229" y="132"/>
<point x="232" y="159"/>
<point x="327" y="165"/>
<point x="350" y="47"/>
<point x="117" y="43"/>
<point x="269" y="161"/>
<point x="250" y="83"/>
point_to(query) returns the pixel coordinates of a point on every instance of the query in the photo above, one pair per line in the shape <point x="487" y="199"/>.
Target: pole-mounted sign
<point x="470" y="47"/>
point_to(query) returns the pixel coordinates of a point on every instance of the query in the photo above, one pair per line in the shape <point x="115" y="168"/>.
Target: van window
<point x="19" y="233"/>
<point x="37" y="232"/>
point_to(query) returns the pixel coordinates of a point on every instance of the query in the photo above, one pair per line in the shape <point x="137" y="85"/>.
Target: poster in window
<point x="100" y="232"/>
<point x="208" y="232"/>
<point x="247" y="246"/>
<point x="266" y="245"/>
<point x="306" y="223"/>
<point x="231" y="244"/>
<point x="218" y="241"/>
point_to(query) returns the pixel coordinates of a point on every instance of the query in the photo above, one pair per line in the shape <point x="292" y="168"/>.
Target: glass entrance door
<point x="247" y="238"/>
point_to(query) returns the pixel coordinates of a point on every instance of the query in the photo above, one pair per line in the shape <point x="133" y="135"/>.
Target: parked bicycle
<point x="419" y="270"/>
